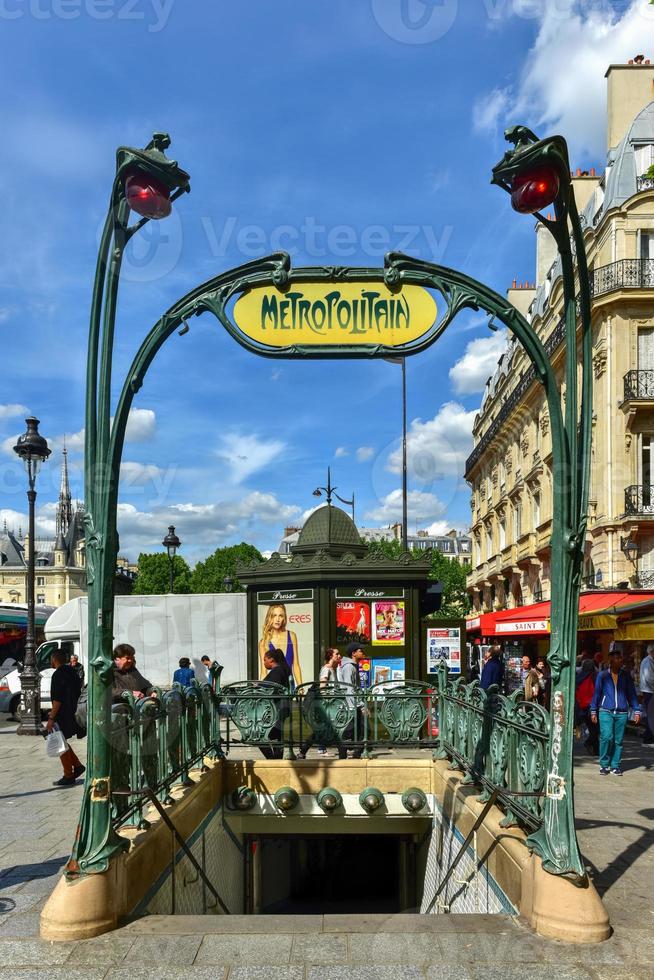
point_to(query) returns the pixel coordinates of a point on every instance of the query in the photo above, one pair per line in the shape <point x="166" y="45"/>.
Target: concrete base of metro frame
<point x="553" y="906"/>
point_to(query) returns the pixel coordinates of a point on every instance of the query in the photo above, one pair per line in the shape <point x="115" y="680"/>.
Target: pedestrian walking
<point x="184" y="675"/>
<point x="530" y="680"/>
<point x="615" y="694"/>
<point x="348" y="673"/>
<point x="647" y="692"/>
<point x="493" y="671"/>
<point x="585" y="689"/>
<point x="279" y="672"/>
<point x="65" y="688"/>
<point x="328" y="675"/>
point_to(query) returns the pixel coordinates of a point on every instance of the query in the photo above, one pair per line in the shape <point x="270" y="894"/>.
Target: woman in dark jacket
<point x="279" y="672"/>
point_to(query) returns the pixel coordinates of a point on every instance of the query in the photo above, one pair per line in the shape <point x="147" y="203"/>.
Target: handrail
<point x="178" y="837"/>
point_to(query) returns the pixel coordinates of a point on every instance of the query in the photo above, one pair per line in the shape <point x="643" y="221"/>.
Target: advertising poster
<point x="388" y="623"/>
<point x="444" y="646"/>
<point x="287" y="626"/>
<point x="352" y="622"/>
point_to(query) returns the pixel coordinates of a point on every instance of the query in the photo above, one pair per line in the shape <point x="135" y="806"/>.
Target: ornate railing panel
<point x="645" y="183"/>
<point x="623" y="274"/>
<point x="499" y="742"/>
<point x="639" y="384"/>
<point x="639" y="499"/>
<point x="155" y="741"/>
<point x="396" y="713"/>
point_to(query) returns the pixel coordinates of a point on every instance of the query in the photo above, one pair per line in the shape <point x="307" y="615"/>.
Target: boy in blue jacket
<point x="614" y="694"/>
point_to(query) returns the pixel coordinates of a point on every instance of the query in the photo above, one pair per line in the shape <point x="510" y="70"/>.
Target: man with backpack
<point x="615" y="694"/>
<point x="583" y="697"/>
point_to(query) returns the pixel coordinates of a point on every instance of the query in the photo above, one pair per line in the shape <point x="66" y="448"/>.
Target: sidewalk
<point x="615" y="819"/>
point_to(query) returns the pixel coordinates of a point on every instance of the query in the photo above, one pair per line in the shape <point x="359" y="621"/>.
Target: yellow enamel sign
<point x="325" y="314"/>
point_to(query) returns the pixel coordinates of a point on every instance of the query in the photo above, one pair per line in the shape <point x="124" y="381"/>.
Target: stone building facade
<point x="509" y="469"/>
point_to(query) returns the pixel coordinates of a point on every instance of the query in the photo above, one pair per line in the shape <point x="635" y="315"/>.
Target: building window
<point x="40" y="580"/>
<point x="40" y="598"/>
<point x="644" y="155"/>
<point x="502" y="527"/>
<point x="517" y="519"/>
<point x="646" y="469"/>
<point x="489" y="543"/>
<point x="646" y="561"/>
<point x="647" y="245"/>
<point x="646" y="349"/>
<point x="536" y="509"/>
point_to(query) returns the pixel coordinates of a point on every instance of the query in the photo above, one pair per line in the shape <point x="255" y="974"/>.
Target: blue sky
<point x="334" y="129"/>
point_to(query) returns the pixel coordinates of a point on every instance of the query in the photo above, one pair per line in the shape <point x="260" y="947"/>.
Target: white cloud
<point x="488" y="109"/>
<point x="201" y="527"/>
<point x="340" y="452"/>
<point x="141" y="425"/>
<point x="439" y="527"/>
<point x="479" y="360"/>
<point x="421" y="507"/>
<point x="9" y="411"/>
<point x="438" y="447"/>
<point x="247" y="454"/>
<point x="364" y="453"/>
<point x="562" y="86"/>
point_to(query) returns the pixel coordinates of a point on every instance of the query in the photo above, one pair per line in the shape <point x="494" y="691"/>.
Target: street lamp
<point x="405" y="508"/>
<point x="33" y="450"/>
<point x="171" y="543"/>
<point x="228" y="583"/>
<point x="629" y="549"/>
<point x="330" y="492"/>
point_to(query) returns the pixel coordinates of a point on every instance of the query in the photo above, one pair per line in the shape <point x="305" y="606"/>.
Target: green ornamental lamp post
<point x="536" y="173"/>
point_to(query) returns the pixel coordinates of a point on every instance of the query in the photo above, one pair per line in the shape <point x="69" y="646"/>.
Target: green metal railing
<point x="155" y="742"/>
<point x="499" y="742"/>
<point x="279" y="722"/>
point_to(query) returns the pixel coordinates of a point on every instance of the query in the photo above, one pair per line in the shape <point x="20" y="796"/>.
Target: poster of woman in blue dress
<point x="276" y="636"/>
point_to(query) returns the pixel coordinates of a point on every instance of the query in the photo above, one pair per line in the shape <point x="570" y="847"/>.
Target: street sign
<point x="326" y="314"/>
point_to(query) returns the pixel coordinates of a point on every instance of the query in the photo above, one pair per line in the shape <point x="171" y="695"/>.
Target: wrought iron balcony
<point x="639" y="384"/>
<point x="644" y="580"/>
<point x="638" y="500"/>
<point x="645" y="183"/>
<point x="624" y="274"/>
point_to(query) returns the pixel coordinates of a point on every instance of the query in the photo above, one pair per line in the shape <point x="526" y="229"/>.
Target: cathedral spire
<point x="64" y="505"/>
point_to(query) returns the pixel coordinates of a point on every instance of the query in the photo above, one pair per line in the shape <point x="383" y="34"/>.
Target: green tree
<point x="451" y="575"/>
<point x="153" y="575"/>
<point x="209" y="575"/>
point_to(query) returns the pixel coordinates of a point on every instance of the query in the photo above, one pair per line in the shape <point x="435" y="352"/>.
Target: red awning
<point x="597" y="611"/>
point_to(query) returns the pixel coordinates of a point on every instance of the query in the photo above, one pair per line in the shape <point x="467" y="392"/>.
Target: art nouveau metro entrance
<point x="277" y="311"/>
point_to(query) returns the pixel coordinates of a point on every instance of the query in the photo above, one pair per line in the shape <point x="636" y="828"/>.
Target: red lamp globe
<point x="147" y="196"/>
<point x="533" y="190"/>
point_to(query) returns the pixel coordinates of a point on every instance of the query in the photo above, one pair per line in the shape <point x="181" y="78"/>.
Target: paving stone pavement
<point x="615" y="818"/>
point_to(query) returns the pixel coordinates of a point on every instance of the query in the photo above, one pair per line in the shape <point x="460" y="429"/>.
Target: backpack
<point x="585" y="692"/>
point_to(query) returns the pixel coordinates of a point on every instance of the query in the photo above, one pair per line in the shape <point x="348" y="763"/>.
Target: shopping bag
<point x="55" y="743"/>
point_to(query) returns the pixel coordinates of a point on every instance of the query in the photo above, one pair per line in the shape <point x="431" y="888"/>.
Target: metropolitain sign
<point x="328" y="314"/>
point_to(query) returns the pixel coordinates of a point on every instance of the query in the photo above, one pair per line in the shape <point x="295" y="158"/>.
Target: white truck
<point x="161" y="628"/>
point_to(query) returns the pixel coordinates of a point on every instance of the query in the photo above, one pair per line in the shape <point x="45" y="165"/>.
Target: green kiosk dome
<point x="329" y="529"/>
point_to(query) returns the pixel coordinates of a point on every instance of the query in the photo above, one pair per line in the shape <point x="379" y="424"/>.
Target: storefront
<point x="604" y="617"/>
<point x="333" y="591"/>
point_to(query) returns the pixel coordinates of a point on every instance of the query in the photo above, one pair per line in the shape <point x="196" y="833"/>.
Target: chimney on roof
<point x="630" y="89"/>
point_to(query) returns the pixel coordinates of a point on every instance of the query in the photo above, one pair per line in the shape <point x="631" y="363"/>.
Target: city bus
<point x="13" y="629"/>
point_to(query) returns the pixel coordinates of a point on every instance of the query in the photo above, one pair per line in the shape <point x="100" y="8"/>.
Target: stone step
<point x="248" y="925"/>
